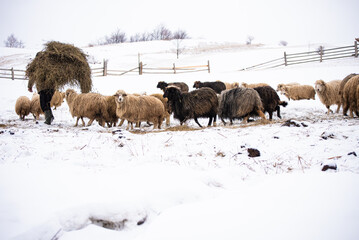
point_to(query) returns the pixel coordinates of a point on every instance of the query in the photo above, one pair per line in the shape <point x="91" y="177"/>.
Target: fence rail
<point x="306" y="57"/>
<point x="16" y="74"/>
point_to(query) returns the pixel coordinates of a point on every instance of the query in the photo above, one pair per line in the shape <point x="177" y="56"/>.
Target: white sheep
<point x="35" y="107"/>
<point x="298" y="92"/>
<point x="22" y="107"/>
<point x="253" y="85"/>
<point x="280" y="86"/>
<point x="328" y="93"/>
<point x="139" y="108"/>
<point x="89" y="105"/>
<point x="57" y="99"/>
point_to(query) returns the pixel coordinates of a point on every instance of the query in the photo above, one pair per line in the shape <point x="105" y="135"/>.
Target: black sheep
<point x="201" y="103"/>
<point x="183" y="87"/>
<point x="238" y="103"/>
<point x="217" y="86"/>
<point x="270" y="100"/>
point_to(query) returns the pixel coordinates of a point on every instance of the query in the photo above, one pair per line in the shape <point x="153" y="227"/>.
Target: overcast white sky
<point x="81" y="22"/>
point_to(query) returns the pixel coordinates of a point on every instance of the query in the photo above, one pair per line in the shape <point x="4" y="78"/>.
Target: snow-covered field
<point x="64" y="182"/>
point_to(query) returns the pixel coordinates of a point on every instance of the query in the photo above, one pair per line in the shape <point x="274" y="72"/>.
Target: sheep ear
<point x="124" y="95"/>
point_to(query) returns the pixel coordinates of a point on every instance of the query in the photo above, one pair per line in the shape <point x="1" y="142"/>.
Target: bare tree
<point x="13" y="42"/>
<point x="180" y="34"/>
<point x="249" y="40"/>
<point x="116" y="37"/>
<point x="161" y="33"/>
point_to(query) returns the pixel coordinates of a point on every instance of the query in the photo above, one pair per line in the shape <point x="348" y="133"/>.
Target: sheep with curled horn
<point x="183" y="86"/>
<point x="201" y="103"/>
<point x="240" y="103"/>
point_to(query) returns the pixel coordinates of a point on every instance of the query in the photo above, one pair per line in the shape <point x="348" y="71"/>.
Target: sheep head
<point x="162" y="85"/>
<point x="319" y="86"/>
<point x="235" y="85"/>
<point x="197" y="84"/>
<point x="245" y="85"/>
<point x="70" y="94"/>
<point x="120" y="96"/>
<point x="172" y="93"/>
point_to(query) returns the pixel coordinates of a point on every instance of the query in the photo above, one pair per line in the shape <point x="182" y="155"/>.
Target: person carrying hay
<point x="54" y="67"/>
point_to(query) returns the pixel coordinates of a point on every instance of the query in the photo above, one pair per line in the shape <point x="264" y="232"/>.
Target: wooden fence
<point x="143" y="69"/>
<point x="306" y="57"/>
<point x="16" y="74"/>
<point x="12" y="74"/>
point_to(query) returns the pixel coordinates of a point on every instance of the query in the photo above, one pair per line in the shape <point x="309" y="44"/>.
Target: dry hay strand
<point x="60" y="64"/>
<point x="182" y="128"/>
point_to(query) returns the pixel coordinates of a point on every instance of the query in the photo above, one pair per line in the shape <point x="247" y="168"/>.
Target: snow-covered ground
<point x="64" y="182"/>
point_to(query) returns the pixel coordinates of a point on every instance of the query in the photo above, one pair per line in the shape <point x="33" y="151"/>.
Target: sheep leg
<point x="245" y="120"/>
<point x="210" y="121"/>
<point x="168" y="120"/>
<point x="196" y="120"/>
<point x="77" y="121"/>
<point x="329" y="110"/>
<point x="83" y="122"/>
<point x="224" y="123"/>
<point x="122" y="120"/>
<point x="270" y="115"/>
<point x="215" y="120"/>
<point x="345" y="109"/>
<point x="261" y="114"/>
<point x="278" y="112"/>
<point x="338" y="107"/>
<point x="90" y="122"/>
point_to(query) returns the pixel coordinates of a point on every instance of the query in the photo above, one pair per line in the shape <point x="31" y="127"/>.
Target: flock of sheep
<point x="208" y="100"/>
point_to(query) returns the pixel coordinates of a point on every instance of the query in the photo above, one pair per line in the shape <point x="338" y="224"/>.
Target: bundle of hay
<point x="60" y="64"/>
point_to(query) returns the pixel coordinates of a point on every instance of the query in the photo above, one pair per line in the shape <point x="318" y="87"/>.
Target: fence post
<point x="209" y="69"/>
<point x="140" y="68"/>
<point x="321" y="53"/>
<point x="356" y="49"/>
<point x="174" y="68"/>
<point x="105" y="67"/>
<point x="12" y="74"/>
<point x="285" y="59"/>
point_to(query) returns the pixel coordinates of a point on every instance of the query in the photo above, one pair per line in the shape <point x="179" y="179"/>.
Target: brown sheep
<point x="253" y="85"/>
<point x="57" y="99"/>
<point x="230" y="85"/>
<point x="35" y="107"/>
<point x="342" y="84"/>
<point x="350" y="97"/>
<point x="111" y="110"/>
<point x="89" y="105"/>
<point x="139" y="108"/>
<point x="328" y="93"/>
<point x="298" y="92"/>
<point x="280" y="86"/>
<point x="22" y="107"/>
<point x="166" y="105"/>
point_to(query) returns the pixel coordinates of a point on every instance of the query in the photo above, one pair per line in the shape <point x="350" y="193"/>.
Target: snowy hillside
<point x="65" y="182"/>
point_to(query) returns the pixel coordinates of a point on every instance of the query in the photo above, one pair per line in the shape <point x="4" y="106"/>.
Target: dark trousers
<point x="45" y="99"/>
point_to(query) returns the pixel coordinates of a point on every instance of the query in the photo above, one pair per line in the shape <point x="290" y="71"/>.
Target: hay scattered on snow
<point x="61" y="64"/>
